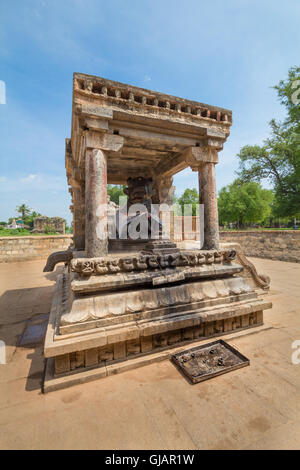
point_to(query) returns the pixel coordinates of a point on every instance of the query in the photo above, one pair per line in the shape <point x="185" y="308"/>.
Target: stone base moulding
<point x="105" y="344"/>
<point x="106" y="355"/>
<point x="55" y="382"/>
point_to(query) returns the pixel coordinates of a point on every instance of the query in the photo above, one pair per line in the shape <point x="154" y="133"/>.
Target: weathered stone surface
<point x="106" y="353"/>
<point x="133" y="347"/>
<point x="85" y="308"/>
<point x="79" y="217"/>
<point x="119" y="351"/>
<point x="32" y="247"/>
<point x="208" y="197"/>
<point x="54" y="224"/>
<point x="174" y="337"/>
<point x="62" y="364"/>
<point x="142" y="262"/>
<point x="273" y="244"/>
<point x="146" y="343"/>
<point x="96" y="235"/>
<point x="57" y="257"/>
<point x="91" y="357"/>
<point x="123" y="280"/>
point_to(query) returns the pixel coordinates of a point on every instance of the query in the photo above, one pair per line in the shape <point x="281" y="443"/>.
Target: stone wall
<point x="283" y="245"/>
<point x="27" y="248"/>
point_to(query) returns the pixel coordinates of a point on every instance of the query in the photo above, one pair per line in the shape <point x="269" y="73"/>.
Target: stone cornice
<point x="123" y="95"/>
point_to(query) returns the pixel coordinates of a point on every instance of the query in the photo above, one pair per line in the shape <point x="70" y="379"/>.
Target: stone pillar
<point x="79" y="217"/>
<point x="164" y="196"/>
<point x="165" y="190"/>
<point x="96" y="233"/>
<point x="208" y="197"/>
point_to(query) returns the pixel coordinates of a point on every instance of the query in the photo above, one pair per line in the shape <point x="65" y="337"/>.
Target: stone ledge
<point x="260" y="232"/>
<point x="53" y="383"/>
<point x="57" y="345"/>
<point x="35" y="237"/>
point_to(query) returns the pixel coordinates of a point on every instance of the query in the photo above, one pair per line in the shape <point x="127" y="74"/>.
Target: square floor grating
<point x="208" y="361"/>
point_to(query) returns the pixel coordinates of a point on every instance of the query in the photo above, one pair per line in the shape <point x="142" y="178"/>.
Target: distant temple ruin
<point x="42" y="224"/>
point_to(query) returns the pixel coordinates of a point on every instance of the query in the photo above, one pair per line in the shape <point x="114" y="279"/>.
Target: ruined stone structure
<point x="122" y="303"/>
<point x="53" y="224"/>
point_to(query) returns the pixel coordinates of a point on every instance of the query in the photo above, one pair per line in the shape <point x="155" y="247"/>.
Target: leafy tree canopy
<point x="244" y="203"/>
<point x="189" y="197"/>
<point x="278" y="160"/>
<point x="23" y="210"/>
<point x="115" y="192"/>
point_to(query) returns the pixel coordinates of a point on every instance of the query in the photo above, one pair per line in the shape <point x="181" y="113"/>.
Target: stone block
<point x="79" y="359"/>
<point x="259" y="317"/>
<point x="188" y="334"/>
<point x="160" y="341"/>
<point x="209" y="329"/>
<point x="62" y="364"/>
<point x="236" y="323"/>
<point x="198" y="331"/>
<point x="174" y="337"/>
<point x="245" y="321"/>
<point x="133" y="347"/>
<point x="119" y="350"/>
<point x="227" y="325"/>
<point x="73" y="361"/>
<point x="91" y="357"/>
<point x="218" y="326"/>
<point x="106" y="353"/>
<point x="146" y="343"/>
<point x="121" y="335"/>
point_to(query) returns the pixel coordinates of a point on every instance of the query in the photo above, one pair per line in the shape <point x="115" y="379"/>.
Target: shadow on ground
<point x="24" y="315"/>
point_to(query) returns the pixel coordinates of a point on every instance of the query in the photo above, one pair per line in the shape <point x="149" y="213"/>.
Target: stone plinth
<point x="117" y="311"/>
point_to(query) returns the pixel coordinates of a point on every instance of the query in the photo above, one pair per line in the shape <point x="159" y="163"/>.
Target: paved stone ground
<point x="153" y="407"/>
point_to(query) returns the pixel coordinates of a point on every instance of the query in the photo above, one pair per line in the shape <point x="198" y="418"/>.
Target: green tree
<point x="23" y="210"/>
<point x="115" y="192"/>
<point x="29" y="219"/>
<point x="190" y="197"/>
<point x="278" y="159"/>
<point x="244" y="203"/>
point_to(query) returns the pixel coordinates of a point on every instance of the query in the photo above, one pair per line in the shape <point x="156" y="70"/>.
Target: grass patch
<point x="255" y="229"/>
<point x="22" y="232"/>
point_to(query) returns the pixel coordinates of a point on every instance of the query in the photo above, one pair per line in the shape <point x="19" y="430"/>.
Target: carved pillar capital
<point x="103" y="141"/>
<point x="196" y="156"/>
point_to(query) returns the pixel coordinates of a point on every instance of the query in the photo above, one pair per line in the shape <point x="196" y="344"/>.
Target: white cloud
<point x="33" y="182"/>
<point x="29" y="178"/>
<point x="44" y="193"/>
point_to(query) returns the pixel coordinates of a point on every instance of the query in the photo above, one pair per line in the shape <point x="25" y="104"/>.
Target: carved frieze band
<point x="117" y="93"/>
<point x="111" y="265"/>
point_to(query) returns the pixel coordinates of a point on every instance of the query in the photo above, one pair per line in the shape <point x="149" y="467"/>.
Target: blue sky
<point x="227" y="54"/>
